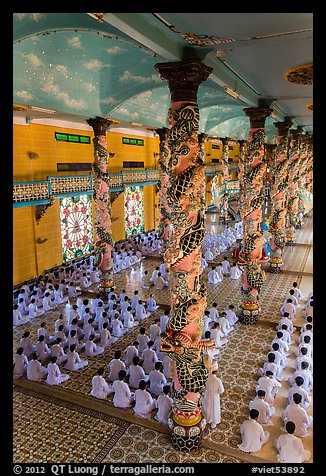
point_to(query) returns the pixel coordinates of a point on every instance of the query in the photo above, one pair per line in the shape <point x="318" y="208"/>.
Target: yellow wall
<point x="30" y="258"/>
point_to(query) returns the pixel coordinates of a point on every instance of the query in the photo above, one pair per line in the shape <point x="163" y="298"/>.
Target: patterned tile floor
<point x="241" y="350"/>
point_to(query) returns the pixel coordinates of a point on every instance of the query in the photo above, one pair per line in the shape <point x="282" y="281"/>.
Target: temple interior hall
<point x="172" y="142"/>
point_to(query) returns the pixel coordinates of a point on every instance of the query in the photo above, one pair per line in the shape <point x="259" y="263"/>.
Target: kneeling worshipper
<point x="55" y="376"/>
<point x="252" y="433"/>
<point x="100" y="387"/>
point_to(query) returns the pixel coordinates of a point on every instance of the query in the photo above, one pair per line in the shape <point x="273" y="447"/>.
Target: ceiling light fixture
<point x="136" y="124"/>
<point x="231" y="92"/>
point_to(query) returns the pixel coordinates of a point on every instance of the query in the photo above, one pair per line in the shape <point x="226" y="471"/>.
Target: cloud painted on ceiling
<point x="80" y="73"/>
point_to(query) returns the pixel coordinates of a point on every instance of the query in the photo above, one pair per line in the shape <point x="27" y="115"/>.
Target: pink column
<point x="104" y="243"/>
<point x="280" y="179"/>
<point x="250" y="255"/>
<point x="182" y="339"/>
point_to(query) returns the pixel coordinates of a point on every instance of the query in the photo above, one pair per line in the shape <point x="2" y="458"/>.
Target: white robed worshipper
<point x="298" y="388"/>
<point x="303" y="358"/>
<point x="305" y="374"/>
<point x="294" y="412"/>
<point x="164" y="320"/>
<point x="128" y="320"/>
<point x="100" y="387"/>
<point x="130" y="352"/>
<point x="252" y="434"/>
<point x="58" y="352"/>
<point x="92" y="349"/>
<point x="291" y="296"/>
<point x="22" y="307"/>
<point x="285" y="321"/>
<point x="157" y="379"/>
<point x="231" y="315"/>
<point x="235" y="272"/>
<point x="123" y="397"/>
<point x="146" y="281"/>
<point x="55" y="376"/>
<point x="213" y="277"/>
<point x="155" y="274"/>
<point x="154" y="330"/>
<point x="218" y="335"/>
<point x="149" y="358"/>
<point x="290" y="308"/>
<point x="140" y="312"/>
<point x="211" y="402"/>
<point x="136" y="373"/>
<point x="270" y="365"/>
<point x="117" y="326"/>
<point x="270" y="385"/>
<point x="203" y="263"/>
<point x="35" y="370"/>
<point x="151" y="304"/>
<point x="264" y="408"/>
<point x="27" y="344"/>
<point x="142" y="340"/>
<point x="160" y="282"/>
<point x="33" y="310"/>
<point x="226" y="266"/>
<point x="213" y="312"/>
<point x="115" y="365"/>
<point x="58" y="296"/>
<point x="74" y="362"/>
<point x="164" y="405"/>
<point x="208" y="255"/>
<point x="42" y="349"/>
<point x="225" y="326"/>
<point x="144" y="402"/>
<point x="290" y="447"/>
<point x="298" y="293"/>
<point x="105" y="336"/>
<point x="20" y="363"/>
<point x="18" y="318"/>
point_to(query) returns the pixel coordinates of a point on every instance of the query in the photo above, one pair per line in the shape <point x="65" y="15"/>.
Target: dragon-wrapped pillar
<point x="241" y="173"/>
<point x="101" y="194"/>
<point x="280" y="176"/>
<point x="224" y="217"/>
<point x="182" y="338"/>
<point x="292" y="203"/>
<point x="250" y="255"/>
<point x="163" y="185"/>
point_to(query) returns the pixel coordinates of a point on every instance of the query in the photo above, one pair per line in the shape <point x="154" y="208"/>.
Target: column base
<point x="186" y="438"/>
<point x="275" y="265"/>
<point x="249" y="314"/>
<point x="104" y="288"/>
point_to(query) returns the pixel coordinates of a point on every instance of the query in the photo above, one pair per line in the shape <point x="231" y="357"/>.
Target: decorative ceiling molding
<point x="300" y="74"/>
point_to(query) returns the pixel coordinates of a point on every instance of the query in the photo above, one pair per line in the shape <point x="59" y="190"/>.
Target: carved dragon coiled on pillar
<point x="182" y="339"/>
<point x="163" y="186"/>
<point x="101" y="194"/>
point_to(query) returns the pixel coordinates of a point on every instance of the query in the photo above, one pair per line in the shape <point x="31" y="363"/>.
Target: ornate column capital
<point x="100" y="125"/>
<point x="257" y="116"/>
<point x="162" y="132"/>
<point x="283" y="127"/>
<point x="184" y="78"/>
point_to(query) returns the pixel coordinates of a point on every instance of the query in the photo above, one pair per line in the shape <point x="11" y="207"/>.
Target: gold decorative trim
<point x="187" y="421"/>
<point x="300" y="74"/>
<point x="99" y="16"/>
<point x="309" y="106"/>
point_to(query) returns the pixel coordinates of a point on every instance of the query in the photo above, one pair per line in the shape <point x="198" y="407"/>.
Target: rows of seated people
<point x="296" y="421"/>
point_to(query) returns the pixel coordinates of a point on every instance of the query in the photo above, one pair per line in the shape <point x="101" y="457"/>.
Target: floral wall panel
<point x="133" y="208"/>
<point x="76" y="226"/>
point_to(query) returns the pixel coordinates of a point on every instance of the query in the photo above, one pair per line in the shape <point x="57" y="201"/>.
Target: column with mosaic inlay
<point x="101" y="194"/>
<point x="292" y="197"/>
<point x="249" y="261"/>
<point x="225" y="179"/>
<point x="241" y="172"/>
<point x="182" y="338"/>
<point x="280" y="178"/>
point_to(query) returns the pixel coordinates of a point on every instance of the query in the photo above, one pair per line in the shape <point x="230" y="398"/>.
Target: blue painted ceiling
<point x="82" y="67"/>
